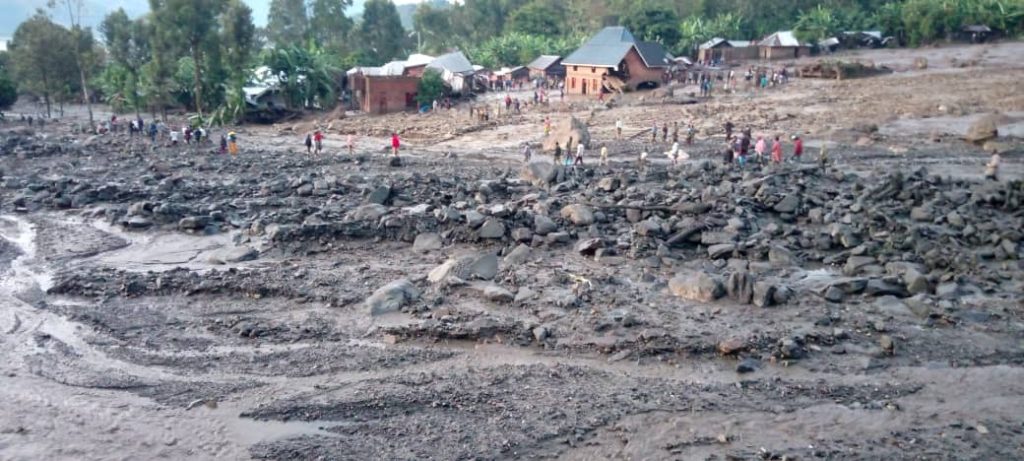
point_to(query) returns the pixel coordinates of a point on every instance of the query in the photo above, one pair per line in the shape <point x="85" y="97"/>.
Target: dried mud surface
<point x="175" y="303"/>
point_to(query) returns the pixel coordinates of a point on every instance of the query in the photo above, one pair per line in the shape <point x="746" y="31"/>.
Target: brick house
<point x="722" y="50"/>
<point x="546" y="66"/>
<point x="782" y="45"/>
<point x="614" y="59"/>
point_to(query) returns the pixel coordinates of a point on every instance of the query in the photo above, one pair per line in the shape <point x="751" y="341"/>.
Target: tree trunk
<point x="46" y="98"/>
<point x="196" y="78"/>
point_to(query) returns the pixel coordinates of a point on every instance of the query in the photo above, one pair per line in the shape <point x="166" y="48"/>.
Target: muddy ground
<point x="177" y="303"/>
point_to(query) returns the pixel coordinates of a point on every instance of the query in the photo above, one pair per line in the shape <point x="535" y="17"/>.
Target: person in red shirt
<point x="318" y="141"/>
<point x="776" y="151"/>
<point x="798" y="147"/>
<point x="395" y="144"/>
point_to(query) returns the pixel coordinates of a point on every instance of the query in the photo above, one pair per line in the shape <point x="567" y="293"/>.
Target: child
<point x="309" y="143"/>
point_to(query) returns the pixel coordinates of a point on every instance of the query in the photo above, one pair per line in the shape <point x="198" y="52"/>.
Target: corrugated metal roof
<point x="712" y="43"/>
<point x="781" y="38"/>
<point x="544" y="61"/>
<point x="740" y="43"/>
<point x="609" y="47"/>
<point x="455" y="62"/>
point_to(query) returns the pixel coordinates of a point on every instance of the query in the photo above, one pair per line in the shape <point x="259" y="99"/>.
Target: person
<point x="690" y="133"/>
<point x="309" y="143"/>
<point x="547" y="126"/>
<point x="131" y="129"/>
<point x="174" y="137"/>
<point x="673" y="154"/>
<point x="728" y="129"/>
<point x="526" y="153"/>
<point x="654" y="131"/>
<point x="233" y="143"/>
<point x="664" y="132"/>
<point x="558" y="153"/>
<point x="223" y="143"/>
<point x="113" y="123"/>
<point x="992" y="167"/>
<point x="568" y="148"/>
<point x="152" y="132"/>
<point x="187" y="132"/>
<point x="618" y="129"/>
<point x="579" y="154"/>
<point x="350" y="142"/>
<point x="198" y="133"/>
<point x="642" y="161"/>
<point x="675" y="132"/>
<point x="604" y="156"/>
<point x="776" y="151"/>
<point x="728" y="153"/>
<point x="745" y="144"/>
<point x="798" y="147"/>
<point x="318" y="141"/>
<point x="759" y="147"/>
<point x="395" y="144"/>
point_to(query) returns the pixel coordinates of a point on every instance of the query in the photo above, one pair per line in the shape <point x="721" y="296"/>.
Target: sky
<point x="13" y="12"/>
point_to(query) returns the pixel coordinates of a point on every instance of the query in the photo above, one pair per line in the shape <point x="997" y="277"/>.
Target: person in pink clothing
<point x="395" y="144"/>
<point x="350" y="142"/>
<point x="798" y="147"/>
<point x="776" y="151"/>
<point x="759" y="148"/>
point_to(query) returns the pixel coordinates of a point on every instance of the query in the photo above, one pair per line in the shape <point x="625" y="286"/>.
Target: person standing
<point x="233" y="143"/>
<point x="558" y="154"/>
<point x="992" y="167"/>
<point x="690" y="133"/>
<point x="350" y="141"/>
<point x="395" y="144"/>
<point x="664" y="132"/>
<point x="654" y="131"/>
<point x="798" y="148"/>
<point x="186" y="131"/>
<point x="759" y="148"/>
<point x="174" y="137"/>
<point x="728" y="129"/>
<point x="642" y="161"/>
<point x="318" y="141"/>
<point x="223" y="144"/>
<point x="776" y="151"/>
<point x="579" y="154"/>
<point x="675" y="132"/>
<point x="526" y="153"/>
<point x="152" y="132"/>
<point x="309" y="143"/>
<point x="604" y="156"/>
<point x="618" y="129"/>
<point x="547" y="126"/>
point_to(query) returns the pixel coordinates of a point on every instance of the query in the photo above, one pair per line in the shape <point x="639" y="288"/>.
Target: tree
<point x="128" y="46"/>
<point x="816" y="25"/>
<point x="238" y="37"/>
<point x="430" y="88"/>
<point x="287" y="23"/>
<point x="653" y="21"/>
<point x="40" y="57"/>
<point x="380" y="31"/>
<point x="82" y="44"/>
<point x="433" y="28"/>
<point x="190" y="25"/>
<point x="329" y="27"/>
<point x="8" y="91"/>
<point x="540" y="17"/>
<point x="307" y="76"/>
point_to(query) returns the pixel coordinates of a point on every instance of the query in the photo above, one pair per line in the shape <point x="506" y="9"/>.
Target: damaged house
<point x="614" y="60"/>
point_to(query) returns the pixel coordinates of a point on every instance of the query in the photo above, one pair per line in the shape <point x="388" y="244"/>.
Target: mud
<point x="176" y="303"/>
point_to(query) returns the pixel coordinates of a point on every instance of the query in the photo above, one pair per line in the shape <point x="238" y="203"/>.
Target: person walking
<point x="186" y="131"/>
<point x="318" y="141"/>
<point x="759" y="148"/>
<point x="675" y="132"/>
<point x="798" y="148"/>
<point x="776" y="151"/>
<point x="526" y="153"/>
<point x="223" y="144"/>
<point x="395" y="144"/>
<point x="579" y="154"/>
<point x="664" y="132"/>
<point x="350" y="142"/>
<point x="174" y="137"/>
<point x="309" y="143"/>
<point x="233" y="143"/>
<point x="152" y="132"/>
<point x="618" y="129"/>
<point x="728" y="129"/>
<point x="690" y="133"/>
<point x="992" y="167"/>
<point x="604" y="156"/>
<point x="654" y="131"/>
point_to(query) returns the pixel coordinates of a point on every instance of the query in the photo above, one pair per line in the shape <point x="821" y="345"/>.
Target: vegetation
<point x="430" y="87"/>
<point x="199" y="54"/>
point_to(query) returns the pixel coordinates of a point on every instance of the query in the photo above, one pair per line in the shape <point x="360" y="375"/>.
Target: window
<point x="593" y="70"/>
<point x="572" y="83"/>
<point x="575" y="67"/>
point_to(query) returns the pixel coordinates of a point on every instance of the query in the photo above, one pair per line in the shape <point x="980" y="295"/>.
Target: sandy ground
<point x="153" y="339"/>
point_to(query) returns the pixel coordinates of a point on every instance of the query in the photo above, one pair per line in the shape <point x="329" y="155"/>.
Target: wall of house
<point x="784" y="52"/>
<point x="639" y="72"/>
<point x="583" y="79"/>
<point x="728" y="53"/>
<point x="389" y="94"/>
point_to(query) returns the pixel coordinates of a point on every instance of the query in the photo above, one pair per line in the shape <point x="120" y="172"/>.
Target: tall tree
<point x="128" y="46"/>
<point x="238" y="37"/>
<point x="287" y="23"/>
<point x="81" y="44"/>
<point x="40" y="54"/>
<point x="189" y="25"/>
<point x="653" y="20"/>
<point x="380" y="33"/>
<point x="433" y="28"/>
<point x="540" y="17"/>
<point x="328" y="25"/>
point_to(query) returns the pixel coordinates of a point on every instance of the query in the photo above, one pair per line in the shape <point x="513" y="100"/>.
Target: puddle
<point x="252" y="431"/>
<point x="161" y="251"/>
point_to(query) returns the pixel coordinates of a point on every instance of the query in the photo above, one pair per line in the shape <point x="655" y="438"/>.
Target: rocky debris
<point x="493" y="292"/>
<point x="731" y="346"/>
<point x="984" y="129"/>
<point x="748" y="365"/>
<point x="234" y="255"/>
<point x="482" y="266"/>
<point x="565" y="129"/>
<point x="492" y="229"/>
<point x="740" y="287"/>
<point x="392" y="297"/>
<point x="519" y="255"/>
<point x="589" y="247"/>
<point x="540" y="172"/>
<point x="764" y="294"/>
<point x="543" y="225"/>
<point x="697" y="286"/>
<point x="427" y="241"/>
<point x="580" y="215"/>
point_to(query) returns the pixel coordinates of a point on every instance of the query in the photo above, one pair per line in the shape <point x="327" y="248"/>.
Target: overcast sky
<point x="13" y="12"/>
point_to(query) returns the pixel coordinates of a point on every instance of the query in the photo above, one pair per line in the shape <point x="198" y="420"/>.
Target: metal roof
<point x="610" y="46"/>
<point x="544" y="61"/>
<point x="719" y="41"/>
<point x="781" y="38"/>
<point x="455" y="62"/>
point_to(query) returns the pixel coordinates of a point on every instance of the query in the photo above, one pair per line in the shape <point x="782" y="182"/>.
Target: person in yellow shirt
<point x="233" y="143"/>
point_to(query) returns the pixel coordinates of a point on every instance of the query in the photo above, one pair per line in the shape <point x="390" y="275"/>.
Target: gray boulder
<point x="697" y="286"/>
<point x="392" y="297"/>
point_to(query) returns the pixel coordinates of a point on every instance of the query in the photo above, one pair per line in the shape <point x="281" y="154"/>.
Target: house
<point x="546" y="66"/>
<point x="614" y="59"/>
<point x="722" y="50"/>
<point x="861" y="39"/>
<point x="514" y="75"/>
<point x="976" y="33"/>
<point x="385" y="89"/>
<point x="456" y="71"/>
<point x="782" y="45"/>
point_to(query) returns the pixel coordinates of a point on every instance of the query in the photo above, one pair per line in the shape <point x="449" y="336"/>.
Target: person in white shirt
<point x="618" y="129"/>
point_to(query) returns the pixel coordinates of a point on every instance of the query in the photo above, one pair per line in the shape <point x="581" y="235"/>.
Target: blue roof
<point x="610" y="46"/>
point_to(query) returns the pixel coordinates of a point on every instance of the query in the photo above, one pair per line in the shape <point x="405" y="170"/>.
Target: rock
<point x="764" y="294"/>
<point x="916" y="282"/>
<point x="522" y="234"/>
<point x="854" y="264"/>
<point x="138" y="222"/>
<point x="721" y="250"/>
<point x="540" y="173"/>
<point x="474" y="218"/>
<point x="789" y="204"/>
<point x="887" y="344"/>
<point x="372" y="212"/>
<point x="740" y="286"/>
<point x="379" y="195"/>
<point x="557" y="237"/>
<point x="563" y="130"/>
<point x="954" y="219"/>
<point x="540" y="333"/>
<point x="983" y="129"/>
<point x="791" y="349"/>
<point x="493" y="292"/>
<point x="192" y="223"/>
<point x="482" y="266"/>
<point x="525" y="294"/>
<point x="748" y="365"/>
<point x="834" y="294"/>
<point x="579" y="215"/>
<point x="880" y="287"/>
<point x="392" y="297"/>
<point x="427" y="241"/>
<point x="922" y="213"/>
<point x="305" y="190"/>
<point x="492" y="229"/>
<point x="780" y="256"/>
<point x="234" y="255"/>
<point x="543" y="225"/>
<point x="948" y="290"/>
<point x="730" y="346"/>
<point x="608" y="184"/>
<point x="589" y="246"/>
<point x="697" y="286"/>
<point x="518" y="256"/>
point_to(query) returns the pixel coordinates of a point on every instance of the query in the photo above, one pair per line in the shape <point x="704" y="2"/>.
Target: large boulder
<point x="391" y="297"/>
<point x="579" y="215"/>
<point x="697" y="286"/>
<point x="427" y="241"/>
<point x="983" y="129"/>
<point x="561" y="131"/>
<point x="540" y="172"/>
<point x="482" y="266"/>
